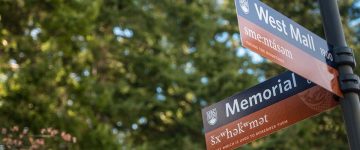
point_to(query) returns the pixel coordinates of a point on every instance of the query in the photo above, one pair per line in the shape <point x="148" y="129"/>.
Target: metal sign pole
<point x="344" y="57"/>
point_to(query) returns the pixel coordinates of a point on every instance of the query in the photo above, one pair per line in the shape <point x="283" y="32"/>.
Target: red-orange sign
<point x="283" y="41"/>
<point x="263" y="109"/>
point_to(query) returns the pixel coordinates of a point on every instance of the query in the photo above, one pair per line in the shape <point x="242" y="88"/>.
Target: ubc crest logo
<point x="211" y="116"/>
<point x="244" y="4"/>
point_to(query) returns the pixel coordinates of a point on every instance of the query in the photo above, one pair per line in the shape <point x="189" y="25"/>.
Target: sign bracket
<point x="344" y="56"/>
<point x="349" y="83"/>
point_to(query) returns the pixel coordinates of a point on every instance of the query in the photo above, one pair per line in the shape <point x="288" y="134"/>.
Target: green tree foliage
<point x="134" y="74"/>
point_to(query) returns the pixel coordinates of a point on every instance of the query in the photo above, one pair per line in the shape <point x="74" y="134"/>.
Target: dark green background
<point x="134" y="74"/>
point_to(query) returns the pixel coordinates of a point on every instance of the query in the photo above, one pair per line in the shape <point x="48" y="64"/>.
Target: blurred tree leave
<point x="134" y="74"/>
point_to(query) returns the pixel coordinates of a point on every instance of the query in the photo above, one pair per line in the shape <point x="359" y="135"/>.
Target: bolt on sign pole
<point x="344" y="58"/>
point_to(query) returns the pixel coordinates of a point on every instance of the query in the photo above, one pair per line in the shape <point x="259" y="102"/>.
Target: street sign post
<point x="283" y="41"/>
<point x="263" y="109"/>
<point x="288" y="98"/>
<point x="350" y="104"/>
